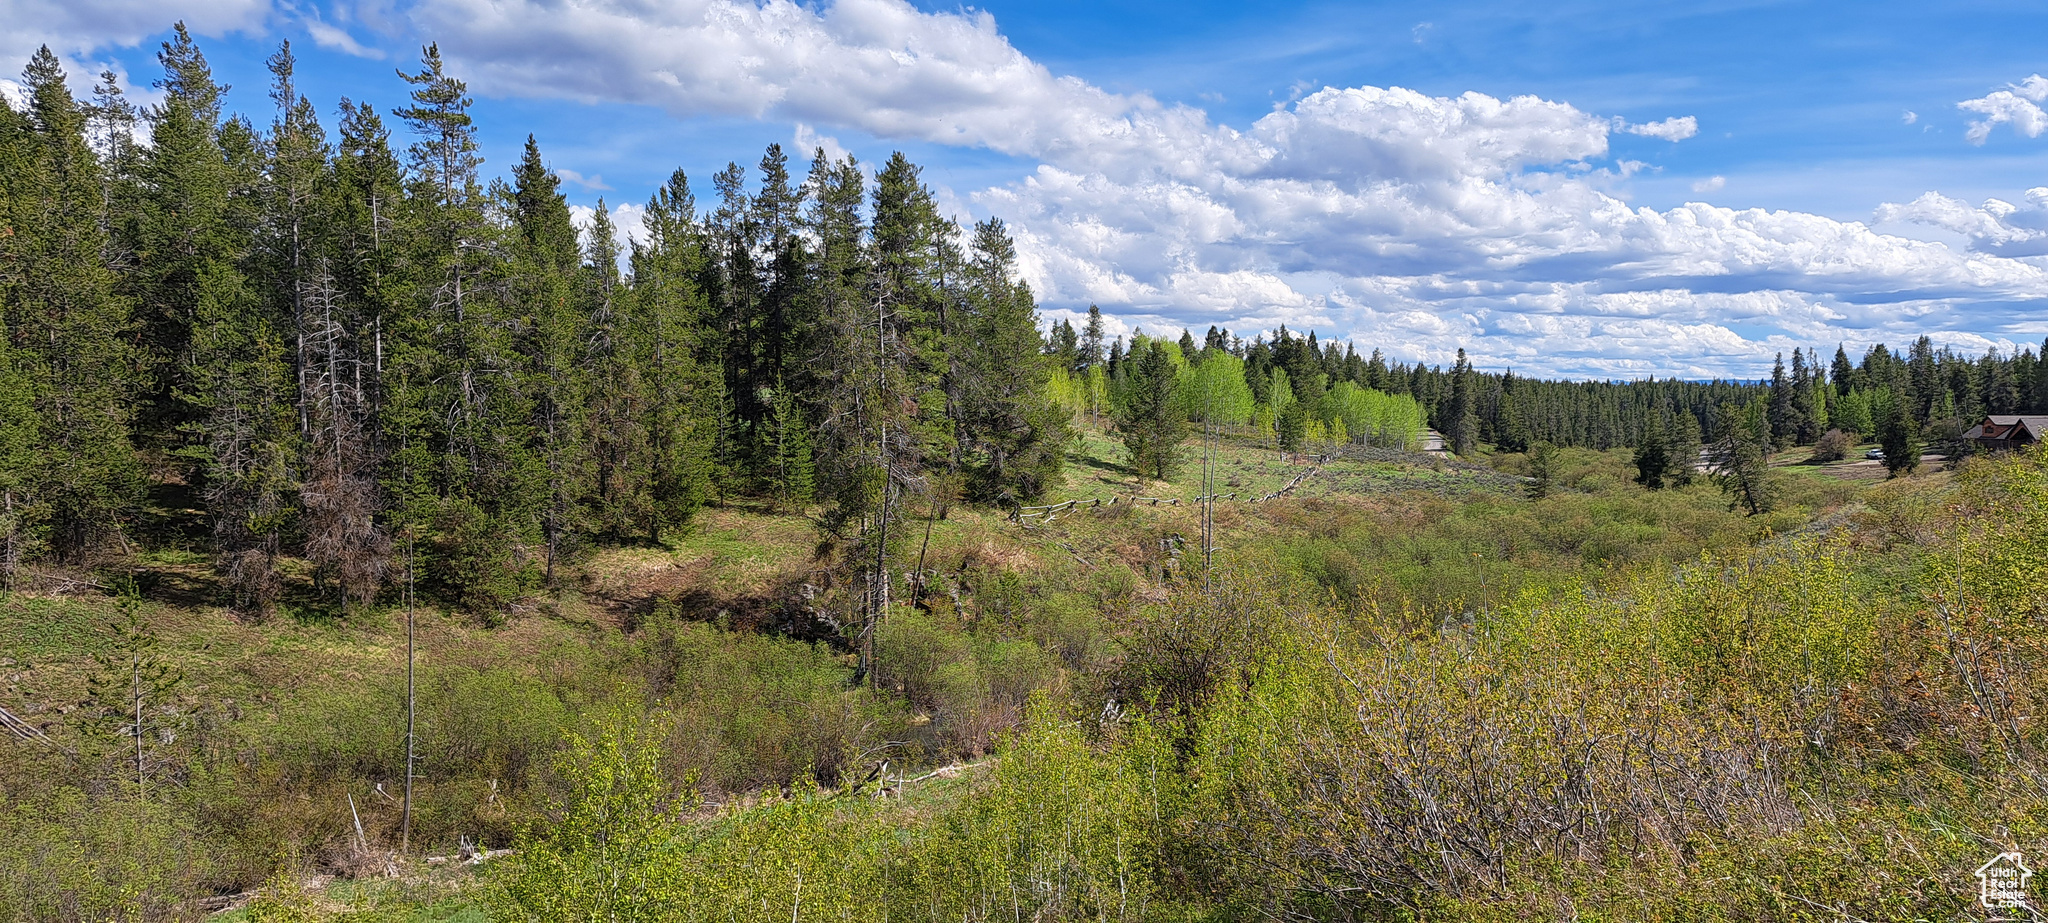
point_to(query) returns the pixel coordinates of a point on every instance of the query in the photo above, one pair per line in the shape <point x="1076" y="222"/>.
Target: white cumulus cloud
<point x="1426" y="223"/>
<point x="626" y="224"/>
<point x="2017" y="104"/>
<point x="75" y="28"/>
<point x="882" y="66"/>
<point x="809" y="141"/>
<point x="1996" y="226"/>
<point x="1710" y="184"/>
<point x="1672" y="129"/>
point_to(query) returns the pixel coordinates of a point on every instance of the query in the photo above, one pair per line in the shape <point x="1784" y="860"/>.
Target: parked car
<point x="1874" y="455"/>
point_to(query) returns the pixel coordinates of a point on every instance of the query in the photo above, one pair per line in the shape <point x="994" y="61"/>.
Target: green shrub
<point x="483" y="737"/>
<point x="66" y="856"/>
<point x="595" y="859"/>
<point x="485" y="723"/>
<point x="970" y="686"/>
<point x="746" y="711"/>
<point x="1060" y="830"/>
<point x="1833" y="445"/>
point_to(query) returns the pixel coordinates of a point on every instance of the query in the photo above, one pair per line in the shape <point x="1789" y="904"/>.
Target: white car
<point x="1874" y="455"/>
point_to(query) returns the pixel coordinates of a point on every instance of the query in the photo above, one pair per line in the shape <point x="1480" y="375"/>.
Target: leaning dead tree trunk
<point x="23" y="730"/>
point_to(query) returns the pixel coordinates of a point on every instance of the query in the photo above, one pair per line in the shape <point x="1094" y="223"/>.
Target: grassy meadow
<point x="1404" y="691"/>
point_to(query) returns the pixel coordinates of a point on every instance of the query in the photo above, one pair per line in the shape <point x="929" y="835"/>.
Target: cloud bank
<point x="1406" y="221"/>
<point x="880" y="66"/>
<point x="1997" y="226"/>
<point x="1420" y="224"/>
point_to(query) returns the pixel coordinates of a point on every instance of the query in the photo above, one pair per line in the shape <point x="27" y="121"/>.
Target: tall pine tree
<point x="667" y="473"/>
<point x="1462" y="418"/>
<point x="552" y="318"/>
<point x="70" y="371"/>
<point x="1009" y="430"/>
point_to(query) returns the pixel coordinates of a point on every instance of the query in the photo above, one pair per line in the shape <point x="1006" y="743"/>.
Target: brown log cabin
<point x="2002" y="432"/>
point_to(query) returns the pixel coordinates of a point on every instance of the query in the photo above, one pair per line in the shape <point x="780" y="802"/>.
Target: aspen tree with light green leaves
<point x="1216" y="390"/>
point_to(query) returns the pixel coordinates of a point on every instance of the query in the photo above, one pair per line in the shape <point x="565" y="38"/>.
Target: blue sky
<point x="1601" y="189"/>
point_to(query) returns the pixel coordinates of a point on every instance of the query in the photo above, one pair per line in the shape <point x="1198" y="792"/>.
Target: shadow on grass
<point x="188" y="585"/>
<point x="780" y="612"/>
<point x="1103" y="464"/>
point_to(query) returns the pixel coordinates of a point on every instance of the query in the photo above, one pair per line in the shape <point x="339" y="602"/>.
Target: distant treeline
<point x="288" y="340"/>
<point x="1943" y="390"/>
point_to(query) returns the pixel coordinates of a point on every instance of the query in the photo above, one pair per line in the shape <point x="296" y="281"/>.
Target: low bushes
<point x="1833" y="445"/>
<point x="70" y="858"/>
<point x="1053" y="831"/>
<point x="743" y="711"/>
<point x="970" y="686"/>
<point x="1390" y="710"/>
<point x="1752" y="735"/>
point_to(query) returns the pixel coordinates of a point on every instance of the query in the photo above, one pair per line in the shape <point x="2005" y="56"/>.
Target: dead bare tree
<point x="411" y="702"/>
<point x="251" y="474"/>
<point x="340" y="491"/>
